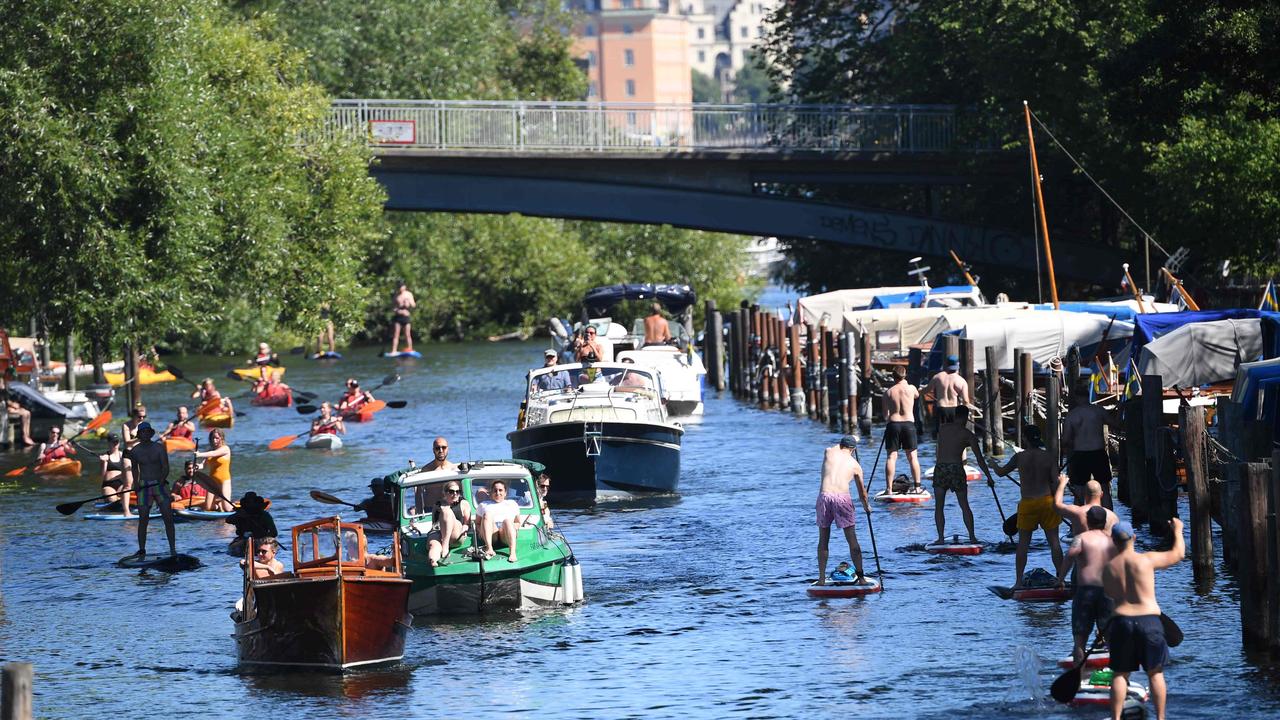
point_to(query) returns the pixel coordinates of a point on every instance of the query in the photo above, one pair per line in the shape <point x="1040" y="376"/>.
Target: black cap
<point x="848" y="441"/>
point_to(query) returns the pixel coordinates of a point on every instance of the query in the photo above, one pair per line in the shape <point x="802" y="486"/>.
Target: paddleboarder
<point x="1036" y="470"/>
<point x="900" y="431"/>
<point x="1075" y="515"/>
<point x="1135" y="637"/>
<point x="402" y="309"/>
<point x="1089" y="553"/>
<point x="949" y="390"/>
<point x="1084" y="434"/>
<point x="835" y="504"/>
<point x="149" y="469"/>
<point x="949" y="474"/>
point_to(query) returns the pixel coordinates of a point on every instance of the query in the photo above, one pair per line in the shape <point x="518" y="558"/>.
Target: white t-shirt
<point x="500" y="512"/>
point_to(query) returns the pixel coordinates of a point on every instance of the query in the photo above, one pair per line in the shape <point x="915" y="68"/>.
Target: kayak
<point x="146" y="375"/>
<point x="955" y="547"/>
<point x="1038" y="594"/>
<point x="327" y="356"/>
<point x="173" y="444"/>
<point x="167" y="563"/>
<point x="185" y="503"/>
<point x="1093" y="662"/>
<point x="117" y="516"/>
<point x="358" y="416"/>
<point x="971" y="473"/>
<point x="218" y="420"/>
<point x="275" y="396"/>
<point x="325" y="441"/>
<point x="403" y="354"/>
<point x="906" y="497"/>
<point x="843" y="589"/>
<point x="66" y="467"/>
<point x="254" y="373"/>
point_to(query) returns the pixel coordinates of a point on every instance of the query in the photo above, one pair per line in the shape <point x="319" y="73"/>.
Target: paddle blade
<point x="324" y="497"/>
<point x="391" y="379"/>
<point x="103" y="418"/>
<point x="69" y="508"/>
<point x="231" y="374"/>
<point x="282" y="442"/>
<point x="1064" y="689"/>
<point x="16" y="472"/>
<point x="305" y="394"/>
<point x="1172" y="633"/>
<point x="374" y="406"/>
<point x="297" y="350"/>
<point x="305" y="409"/>
<point x="1011" y="525"/>
<point x="397" y="404"/>
<point x="176" y="371"/>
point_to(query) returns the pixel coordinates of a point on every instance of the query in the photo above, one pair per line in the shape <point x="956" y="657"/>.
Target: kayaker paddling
<point x="149" y="471"/>
<point x="835" y="504"/>
<point x="187" y="490"/>
<point x="181" y="427"/>
<point x="1036" y="471"/>
<point x="211" y="401"/>
<point x="900" y="430"/>
<point x="353" y="398"/>
<point x="327" y="422"/>
<point x="1089" y="553"/>
<point x="402" y="305"/>
<point x="954" y="437"/>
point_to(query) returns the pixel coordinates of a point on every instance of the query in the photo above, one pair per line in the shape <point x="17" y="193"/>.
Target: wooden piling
<point x="1191" y="424"/>
<point x="1255" y="606"/>
<point x="852" y="369"/>
<point x="1021" y="382"/>
<point x="713" y="346"/>
<point x="734" y="355"/>
<point x="744" y="352"/>
<point x="866" y="404"/>
<point x="797" y="371"/>
<point x="1273" y="553"/>
<point x="811" y="369"/>
<point x="967" y="362"/>
<point x="994" y="411"/>
<point x="15" y="691"/>
<point x="822" y="371"/>
<point x="781" y="394"/>
<point x="1052" y="424"/>
<point x="69" y="347"/>
<point x="754" y="353"/>
<point x="846" y="380"/>
<point x="1135" y="486"/>
<point x="133" y="388"/>
<point x="1152" y="421"/>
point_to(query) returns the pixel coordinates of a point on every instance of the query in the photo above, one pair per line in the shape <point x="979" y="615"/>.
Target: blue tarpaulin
<point x="918" y="298"/>
<point x="1119" y="312"/>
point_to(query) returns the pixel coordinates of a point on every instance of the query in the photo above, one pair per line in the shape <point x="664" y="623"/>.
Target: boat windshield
<point x="592" y="378"/>
<point x="421" y="500"/>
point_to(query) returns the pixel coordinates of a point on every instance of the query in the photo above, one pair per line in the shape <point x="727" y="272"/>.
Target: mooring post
<point x="1191" y="423"/>
<point x="15" y="691"/>
<point x="1135" y="486"/>
<point x="1255" y="606"/>
<point x="797" y="370"/>
<point x="854" y="369"/>
<point x="1152" y="422"/>
<point x="995" y="411"/>
<point x="744" y="352"/>
<point x="846" y="380"/>
<point x="1273" y="553"/>
<point x="732" y="352"/>
<point x="866" y="405"/>
<point x="711" y="347"/>
<point x="812" y="368"/>
<point x="967" y="362"/>
<point x="1020" y="383"/>
<point x="69" y="348"/>
<point x="823" y="360"/>
<point x="1052" y="432"/>
<point x="782" y="394"/>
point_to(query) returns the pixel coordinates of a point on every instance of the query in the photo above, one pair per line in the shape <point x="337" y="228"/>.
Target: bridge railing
<point x="605" y="127"/>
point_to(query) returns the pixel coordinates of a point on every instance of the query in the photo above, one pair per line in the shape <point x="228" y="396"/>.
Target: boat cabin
<point x="329" y="547"/>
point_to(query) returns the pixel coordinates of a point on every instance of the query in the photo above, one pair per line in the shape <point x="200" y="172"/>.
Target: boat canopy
<point x="1254" y="379"/>
<point x="946" y="296"/>
<point x="33" y="400"/>
<point x="1151" y="326"/>
<point x="1202" y="353"/>
<point x="1126" y="310"/>
<point x="837" y="302"/>
<point x="1045" y="335"/>
<point x="675" y="298"/>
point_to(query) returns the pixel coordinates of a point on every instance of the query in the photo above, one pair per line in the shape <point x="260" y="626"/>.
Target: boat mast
<point x="1044" y="222"/>
<point x="967" y="277"/>
<point x="1137" y="296"/>
<point x="1177" y="285"/>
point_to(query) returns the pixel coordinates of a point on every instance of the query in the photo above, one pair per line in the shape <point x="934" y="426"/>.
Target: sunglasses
<point x="452" y="491"/>
<point x="544" y="486"/>
<point x="441" y="447"/>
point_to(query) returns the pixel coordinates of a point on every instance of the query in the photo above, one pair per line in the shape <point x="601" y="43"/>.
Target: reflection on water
<point x="695" y="604"/>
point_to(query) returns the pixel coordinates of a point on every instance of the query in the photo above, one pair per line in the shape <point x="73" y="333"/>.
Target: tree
<point x="705" y="88"/>
<point x="751" y="84"/>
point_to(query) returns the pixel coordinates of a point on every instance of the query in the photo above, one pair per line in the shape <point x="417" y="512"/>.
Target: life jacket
<point x="180" y="430"/>
<point x="353" y="400"/>
<point x="58" y="452"/>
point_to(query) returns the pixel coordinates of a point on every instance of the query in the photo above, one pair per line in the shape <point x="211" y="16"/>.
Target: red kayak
<point x="275" y="395"/>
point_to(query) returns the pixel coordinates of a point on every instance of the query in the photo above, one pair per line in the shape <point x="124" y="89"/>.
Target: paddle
<point x="281" y="443"/>
<point x="324" y="497"/>
<point x="1172" y="633"/>
<point x="875" y="552"/>
<point x="305" y="409"/>
<point x="71" y="507"/>
<point x="1064" y="689"/>
<point x="1004" y="523"/>
<point x="98" y="421"/>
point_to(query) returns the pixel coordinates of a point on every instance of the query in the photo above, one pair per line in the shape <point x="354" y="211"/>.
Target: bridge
<point x="708" y="167"/>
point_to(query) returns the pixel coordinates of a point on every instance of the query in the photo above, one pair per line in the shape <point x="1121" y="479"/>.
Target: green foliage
<point x="705" y="88"/>
<point x="751" y="84"/>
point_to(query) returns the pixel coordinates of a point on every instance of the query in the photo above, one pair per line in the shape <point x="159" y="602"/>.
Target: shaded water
<point x="695" y="604"/>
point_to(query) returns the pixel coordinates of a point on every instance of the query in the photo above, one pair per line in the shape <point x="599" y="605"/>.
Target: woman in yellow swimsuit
<point x="215" y="473"/>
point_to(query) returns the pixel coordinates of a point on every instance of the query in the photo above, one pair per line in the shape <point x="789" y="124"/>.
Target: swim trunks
<point x="900" y="435"/>
<point x="950" y="476"/>
<point x="400" y="319"/>
<point x="1090" y="464"/>
<point x="1089" y="607"/>
<point x="1137" y="640"/>
<point x="1037" y="512"/>
<point x="835" y="508"/>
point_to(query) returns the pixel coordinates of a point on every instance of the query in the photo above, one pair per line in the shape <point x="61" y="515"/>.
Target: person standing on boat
<point x="835" y="505"/>
<point x="440" y="461"/>
<point x="954" y="437"/>
<point x="900" y="430"/>
<point x="181" y="427"/>
<point x="1089" y="553"/>
<point x="948" y="390"/>
<point x="217" y="480"/>
<point x="1037" y="470"/>
<point x="552" y="381"/>
<point x="656" y="329"/>
<point x="149" y="473"/>
<point x="1135" y="636"/>
<point x="1084" y="434"/>
<point x="402" y="308"/>
<point x="586" y="348"/>
<point x="1075" y="514"/>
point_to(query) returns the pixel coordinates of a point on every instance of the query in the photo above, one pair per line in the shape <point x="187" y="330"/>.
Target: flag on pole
<point x="1270" y="298"/>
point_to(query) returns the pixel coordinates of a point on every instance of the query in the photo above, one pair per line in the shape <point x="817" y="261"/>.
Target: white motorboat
<point x="681" y="373"/>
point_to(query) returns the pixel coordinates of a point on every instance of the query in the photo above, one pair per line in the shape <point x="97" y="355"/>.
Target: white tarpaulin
<point x="837" y="302"/>
<point x="1202" y="353"/>
<point x="955" y="318"/>
<point x="1045" y="334"/>
<point x="892" y="328"/>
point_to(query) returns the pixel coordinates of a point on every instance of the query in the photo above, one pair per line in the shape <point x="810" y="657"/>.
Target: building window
<point x="626" y="29"/>
<point x="702" y="33"/>
<point x="702" y="56"/>
<point x="759" y="32"/>
<point x="628" y="4"/>
<point x="631" y="117"/>
<point x="591" y="58"/>
<point x="589" y="30"/>
<point x="593" y="90"/>
<point x="743" y="31"/>
<point x="629" y="58"/>
<point x="631" y="88"/>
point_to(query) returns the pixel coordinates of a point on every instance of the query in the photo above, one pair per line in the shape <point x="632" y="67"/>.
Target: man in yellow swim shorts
<point x="1038" y="472"/>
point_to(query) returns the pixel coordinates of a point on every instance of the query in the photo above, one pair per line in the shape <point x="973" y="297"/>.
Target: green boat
<point x="545" y="576"/>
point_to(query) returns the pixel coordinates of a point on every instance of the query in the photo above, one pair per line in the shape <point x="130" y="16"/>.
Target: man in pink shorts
<point x="835" y="505"/>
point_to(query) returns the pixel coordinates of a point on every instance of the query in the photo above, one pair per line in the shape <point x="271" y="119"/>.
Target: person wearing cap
<point x="1135" y="636"/>
<point x="954" y="437"/>
<point x="379" y="509"/>
<point x="1090" y="606"/>
<point x="1036" y="470"/>
<point x="840" y="469"/>
<point x="900" y="428"/>
<point x="1075" y="514"/>
<point x="115" y="478"/>
<point x="353" y="398"/>
<point x="552" y="380"/>
<point x="1084" y="435"/>
<point x="148" y="473"/>
<point x="948" y="390"/>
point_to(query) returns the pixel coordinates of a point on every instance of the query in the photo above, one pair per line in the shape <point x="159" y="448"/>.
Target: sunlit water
<point x="695" y="605"/>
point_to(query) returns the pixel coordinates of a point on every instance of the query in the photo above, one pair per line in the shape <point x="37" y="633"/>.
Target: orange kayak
<point x="218" y="420"/>
<point x="276" y="395"/>
<point x="174" y="444"/>
<point x="66" y="467"/>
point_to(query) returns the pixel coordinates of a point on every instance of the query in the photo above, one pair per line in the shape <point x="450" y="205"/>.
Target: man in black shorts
<point x="1084" y="435"/>
<point x="900" y="432"/>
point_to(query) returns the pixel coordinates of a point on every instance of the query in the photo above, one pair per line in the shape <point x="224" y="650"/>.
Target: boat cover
<point x="1125" y="310"/>
<point x="1045" y="335"/>
<point x="1152" y="325"/>
<point x="837" y="302"/>
<point x="1253" y="377"/>
<point x="952" y="295"/>
<point x="675" y="298"/>
<point x="39" y="405"/>
<point x="1202" y="353"/>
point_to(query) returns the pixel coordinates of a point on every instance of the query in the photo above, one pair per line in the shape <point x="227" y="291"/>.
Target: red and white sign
<point x="393" y="132"/>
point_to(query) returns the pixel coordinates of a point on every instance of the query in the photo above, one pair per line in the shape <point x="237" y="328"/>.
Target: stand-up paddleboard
<point x="1038" y="594"/>
<point x="165" y="563"/>
<point x="202" y="514"/>
<point x="1095" y="661"/>
<point x="325" y="441"/>
<point x="117" y="516"/>
<point x="403" y="354"/>
<point x="905" y="497"/>
<point x="327" y="356"/>
<point x="834" y="589"/>
<point x="971" y="473"/>
<point x="1090" y="694"/>
<point x="954" y="547"/>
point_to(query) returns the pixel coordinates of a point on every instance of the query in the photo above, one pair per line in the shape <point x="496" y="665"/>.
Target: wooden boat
<point x="332" y="612"/>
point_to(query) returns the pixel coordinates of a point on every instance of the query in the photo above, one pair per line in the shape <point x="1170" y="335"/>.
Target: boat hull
<point x="529" y="588"/>
<point x="327" y="623"/>
<point x="633" y="459"/>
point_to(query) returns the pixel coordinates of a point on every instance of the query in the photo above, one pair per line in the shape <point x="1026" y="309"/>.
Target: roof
<point x="675" y="298"/>
<point x="411" y="477"/>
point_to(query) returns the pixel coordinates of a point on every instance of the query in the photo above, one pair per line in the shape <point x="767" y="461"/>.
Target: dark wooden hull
<point x="326" y="622"/>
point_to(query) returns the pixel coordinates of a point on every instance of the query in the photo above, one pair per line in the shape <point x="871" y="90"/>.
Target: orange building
<point x="635" y="51"/>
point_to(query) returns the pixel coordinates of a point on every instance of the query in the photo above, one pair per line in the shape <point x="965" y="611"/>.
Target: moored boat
<point x="546" y="573"/>
<point x="333" y="611"/>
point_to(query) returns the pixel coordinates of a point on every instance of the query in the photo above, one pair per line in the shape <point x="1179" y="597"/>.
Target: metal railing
<point x="606" y="127"/>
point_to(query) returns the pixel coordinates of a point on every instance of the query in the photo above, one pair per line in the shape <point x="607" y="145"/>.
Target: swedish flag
<point x="1270" y="298"/>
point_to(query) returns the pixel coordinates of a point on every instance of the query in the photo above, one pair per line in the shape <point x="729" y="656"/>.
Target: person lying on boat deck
<point x="900" y="431"/>
<point x="1135" y="636"/>
<point x="379" y="509"/>
<point x="948" y="390"/>
<point x="188" y="490"/>
<point x="543" y="484"/>
<point x="218" y="478"/>
<point x="115" y="477"/>
<point x="327" y="422"/>
<point x="499" y="516"/>
<point x="835" y="504"/>
<point x="265" y="564"/>
<point x="210" y="399"/>
<point x="656" y="330"/>
<point x="1084" y="435"/>
<point x="949" y="473"/>
<point x="1075" y="514"/>
<point x="16" y="411"/>
<point x="129" y="430"/>
<point x="1090" y="606"/>
<point x="353" y="397"/>
<point x="181" y="427"/>
<point x="149" y="473"/>
<point x="1037" y="470"/>
<point x="450" y="520"/>
<point x="57" y="448"/>
<point x="551" y="381"/>
<point x="585" y="346"/>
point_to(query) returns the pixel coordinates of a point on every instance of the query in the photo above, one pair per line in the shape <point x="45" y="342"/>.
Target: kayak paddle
<point x="98" y="421"/>
<point x="1172" y="633"/>
<point x="305" y="409"/>
<point x="1064" y="689"/>
<point x="71" y="507"/>
<point x="324" y="497"/>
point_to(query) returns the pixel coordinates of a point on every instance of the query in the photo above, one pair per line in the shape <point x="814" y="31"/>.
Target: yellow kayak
<point x="146" y="376"/>
<point x="254" y="373"/>
<point x="66" y="467"/>
<point x="218" y="420"/>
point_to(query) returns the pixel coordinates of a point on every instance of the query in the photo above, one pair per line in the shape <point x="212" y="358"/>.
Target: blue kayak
<point x="327" y="356"/>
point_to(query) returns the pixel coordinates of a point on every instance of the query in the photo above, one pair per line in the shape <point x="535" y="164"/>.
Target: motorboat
<point x="601" y="430"/>
<point x="681" y="373"/>
<point x="545" y="575"/>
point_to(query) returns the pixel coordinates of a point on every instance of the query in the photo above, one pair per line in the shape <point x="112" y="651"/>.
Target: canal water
<point x="695" y="604"/>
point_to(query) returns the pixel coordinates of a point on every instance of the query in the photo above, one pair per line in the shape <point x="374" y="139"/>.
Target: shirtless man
<point x="1136" y="636"/>
<point x="839" y="470"/>
<point x="1036" y="469"/>
<point x="1090" y="607"/>
<point x="900" y="432"/>
<point x="949" y="474"/>
<point x="402" y="306"/>
<point x="1075" y="514"/>
<point x="948" y="390"/>
<point x="1084" y="434"/>
<point x="440" y="449"/>
<point x="656" y="330"/>
<point x="148" y="471"/>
